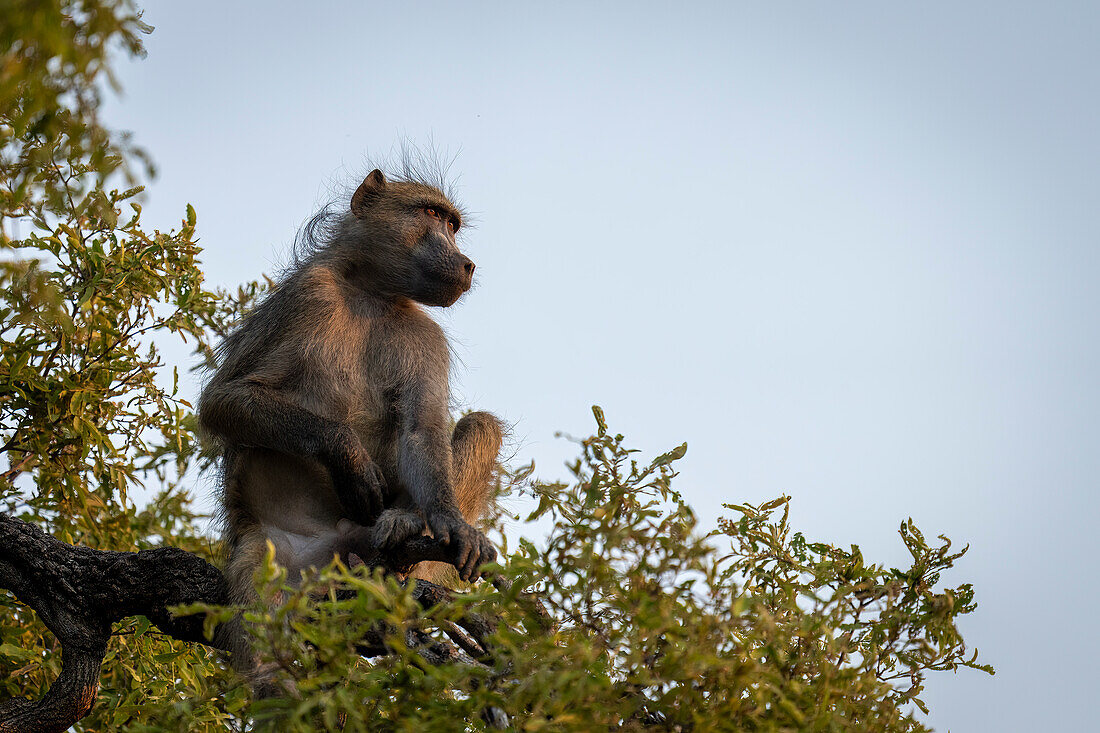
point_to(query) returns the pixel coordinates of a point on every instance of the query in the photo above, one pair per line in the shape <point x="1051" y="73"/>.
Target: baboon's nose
<point x="468" y="266"/>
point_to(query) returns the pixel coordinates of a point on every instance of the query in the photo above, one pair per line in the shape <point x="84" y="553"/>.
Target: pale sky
<point x="847" y="251"/>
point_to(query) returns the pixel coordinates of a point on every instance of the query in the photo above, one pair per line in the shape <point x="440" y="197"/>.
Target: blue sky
<point x="848" y="252"/>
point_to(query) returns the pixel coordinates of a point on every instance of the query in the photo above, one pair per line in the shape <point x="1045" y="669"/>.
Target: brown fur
<point x="331" y="398"/>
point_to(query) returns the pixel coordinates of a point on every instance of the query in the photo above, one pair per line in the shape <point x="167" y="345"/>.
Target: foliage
<point x="652" y="622"/>
<point x="88" y="411"/>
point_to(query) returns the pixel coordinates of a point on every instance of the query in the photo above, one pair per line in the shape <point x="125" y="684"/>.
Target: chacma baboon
<point x="330" y="400"/>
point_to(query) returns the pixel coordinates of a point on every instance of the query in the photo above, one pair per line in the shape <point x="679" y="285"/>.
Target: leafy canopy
<point x="645" y="622"/>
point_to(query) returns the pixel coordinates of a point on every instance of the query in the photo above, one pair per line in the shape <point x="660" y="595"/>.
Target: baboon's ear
<point x="372" y="185"/>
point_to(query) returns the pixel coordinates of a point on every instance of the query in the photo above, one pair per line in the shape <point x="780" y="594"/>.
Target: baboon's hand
<point x="368" y="489"/>
<point x="360" y="485"/>
<point x="472" y="548"/>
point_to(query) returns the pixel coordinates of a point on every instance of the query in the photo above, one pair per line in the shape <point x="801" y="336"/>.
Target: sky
<point x="847" y="251"/>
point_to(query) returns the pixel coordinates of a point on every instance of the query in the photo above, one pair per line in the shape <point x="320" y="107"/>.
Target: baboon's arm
<point x="425" y="467"/>
<point x="247" y="413"/>
<point x="424" y="448"/>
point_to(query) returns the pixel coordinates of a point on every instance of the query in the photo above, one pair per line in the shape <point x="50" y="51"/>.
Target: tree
<point x="87" y="410"/>
<point x="627" y="615"/>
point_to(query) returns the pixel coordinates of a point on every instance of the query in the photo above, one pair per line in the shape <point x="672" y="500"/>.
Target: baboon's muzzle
<point x="447" y="284"/>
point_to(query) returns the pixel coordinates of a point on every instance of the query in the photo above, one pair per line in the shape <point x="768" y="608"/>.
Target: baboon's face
<point x="413" y="248"/>
<point x="443" y="273"/>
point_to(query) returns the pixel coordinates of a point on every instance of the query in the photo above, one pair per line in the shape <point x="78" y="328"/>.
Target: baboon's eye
<point x="452" y="226"/>
<point x="434" y="213"/>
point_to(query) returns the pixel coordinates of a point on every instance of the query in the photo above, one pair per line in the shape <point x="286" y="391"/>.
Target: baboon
<point x="330" y="400"/>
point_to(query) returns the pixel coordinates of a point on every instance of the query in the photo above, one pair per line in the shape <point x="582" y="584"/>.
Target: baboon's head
<point x="408" y="242"/>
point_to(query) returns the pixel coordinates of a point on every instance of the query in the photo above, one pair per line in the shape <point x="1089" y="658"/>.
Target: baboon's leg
<point x="240" y="571"/>
<point x="394" y="526"/>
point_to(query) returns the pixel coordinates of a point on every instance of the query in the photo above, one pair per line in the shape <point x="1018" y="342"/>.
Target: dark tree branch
<point x="79" y="592"/>
<point x="477" y="627"/>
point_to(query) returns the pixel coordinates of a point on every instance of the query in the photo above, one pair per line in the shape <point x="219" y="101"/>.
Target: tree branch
<point x="79" y="592"/>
